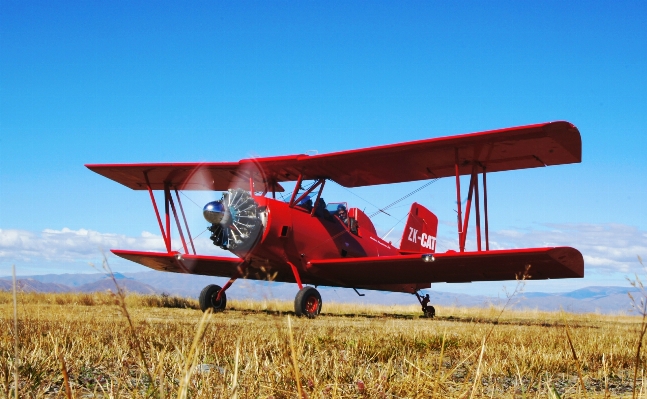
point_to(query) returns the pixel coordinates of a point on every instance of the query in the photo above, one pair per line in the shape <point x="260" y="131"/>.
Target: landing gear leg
<point x="214" y="297"/>
<point x="307" y="302"/>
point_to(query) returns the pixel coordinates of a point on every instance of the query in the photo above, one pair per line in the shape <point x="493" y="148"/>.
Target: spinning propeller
<point x="236" y="218"/>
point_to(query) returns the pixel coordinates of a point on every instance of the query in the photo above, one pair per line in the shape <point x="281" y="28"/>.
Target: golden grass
<point x="351" y="350"/>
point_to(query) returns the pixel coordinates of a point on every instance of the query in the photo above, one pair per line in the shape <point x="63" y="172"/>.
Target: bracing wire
<point x="189" y="198"/>
<point x="395" y="225"/>
<point x="363" y="199"/>
<point x="194" y="238"/>
<point x="381" y="210"/>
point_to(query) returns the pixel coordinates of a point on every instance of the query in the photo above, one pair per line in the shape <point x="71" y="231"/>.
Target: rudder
<point x="419" y="235"/>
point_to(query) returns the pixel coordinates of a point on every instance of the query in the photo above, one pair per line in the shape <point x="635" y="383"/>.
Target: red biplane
<point x="303" y="240"/>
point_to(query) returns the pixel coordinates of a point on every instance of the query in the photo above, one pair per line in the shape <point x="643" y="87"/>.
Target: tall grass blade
<point x="478" y="369"/>
<point x="15" y="333"/>
<point x="66" y="377"/>
<point x="440" y="364"/>
<point x="234" y="384"/>
<point x="577" y="361"/>
<point x="191" y="360"/>
<point x="120" y="295"/>
<point x="641" y="306"/>
<point x="294" y="359"/>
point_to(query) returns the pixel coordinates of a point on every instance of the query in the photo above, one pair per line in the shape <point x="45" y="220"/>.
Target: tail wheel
<point x="308" y="302"/>
<point x="208" y="298"/>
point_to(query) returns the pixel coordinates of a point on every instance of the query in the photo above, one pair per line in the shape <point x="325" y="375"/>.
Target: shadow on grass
<point x="408" y="316"/>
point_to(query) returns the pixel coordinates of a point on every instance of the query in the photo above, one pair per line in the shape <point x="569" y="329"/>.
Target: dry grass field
<point x="161" y="347"/>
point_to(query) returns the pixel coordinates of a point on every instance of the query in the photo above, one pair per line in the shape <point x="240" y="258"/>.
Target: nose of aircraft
<point x="214" y="212"/>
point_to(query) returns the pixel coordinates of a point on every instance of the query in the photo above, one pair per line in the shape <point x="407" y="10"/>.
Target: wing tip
<point x="569" y="257"/>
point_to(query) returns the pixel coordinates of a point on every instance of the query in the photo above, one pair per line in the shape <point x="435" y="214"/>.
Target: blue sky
<point x="95" y="82"/>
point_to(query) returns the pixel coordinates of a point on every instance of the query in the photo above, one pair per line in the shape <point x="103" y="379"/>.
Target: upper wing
<point x="183" y="263"/>
<point x="497" y="150"/>
<point x="544" y="263"/>
<point x="215" y="176"/>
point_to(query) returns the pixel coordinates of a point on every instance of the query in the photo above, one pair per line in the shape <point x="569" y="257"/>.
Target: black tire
<point x="208" y="298"/>
<point x="431" y="312"/>
<point x="307" y="302"/>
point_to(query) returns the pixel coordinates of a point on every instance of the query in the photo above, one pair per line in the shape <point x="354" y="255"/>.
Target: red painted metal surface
<point x="307" y="192"/>
<point x="297" y="278"/>
<point x="477" y="208"/>
<point x="419" y="234"/>
<point x="458" y="196"/>
<point x="487" y="236"/>
<point x="225" y="288"/>
<point x="177" y="223"/>
<point x="505" y="149"/>
<point x="559" y="262"/>
<point x="188" y="232"/>
<point x="157" y="213"/>
<point x="195" y="264"/>
<point x="167" y="238"/>
<point x="545" y="263"/>
<point x="316" y="247"/>
<point x="297" y="187"/>
<point x="468" y="207"/>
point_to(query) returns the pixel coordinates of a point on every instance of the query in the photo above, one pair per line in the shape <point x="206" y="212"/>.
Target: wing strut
<point x="487" y="237"/>
<point x="472" y="194"/>
<point x="169" y="206"/>
<point x="186" y="224"/>
<point x="293" y="201"/>
<point x="157" y="213"/>
<point x="169" y="199"/>
<point x="458" y="196"/>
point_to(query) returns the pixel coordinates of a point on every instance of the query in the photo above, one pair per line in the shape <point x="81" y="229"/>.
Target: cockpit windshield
<point x="306" y="203"/>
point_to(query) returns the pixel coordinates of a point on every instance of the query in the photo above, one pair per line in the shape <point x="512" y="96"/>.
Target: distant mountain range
<point x="77" y="283"/>
<point x="589" y="299"/>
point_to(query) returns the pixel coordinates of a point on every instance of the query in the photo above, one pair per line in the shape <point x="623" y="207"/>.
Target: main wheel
<point x="208" y="298"/>
<point x="430" y="312"/>
<point x="307" y="302"/>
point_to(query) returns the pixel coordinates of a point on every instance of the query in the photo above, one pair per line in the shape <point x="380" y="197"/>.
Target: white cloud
<point x="607" y="248"/>
<point x="68" y="245"/>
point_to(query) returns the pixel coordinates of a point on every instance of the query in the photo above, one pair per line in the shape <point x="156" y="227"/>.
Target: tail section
<point x="419" y="235"/>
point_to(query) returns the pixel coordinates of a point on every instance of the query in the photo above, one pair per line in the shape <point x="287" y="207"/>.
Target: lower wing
<point x="182" y="263"/>
<point x="452" y="267"/>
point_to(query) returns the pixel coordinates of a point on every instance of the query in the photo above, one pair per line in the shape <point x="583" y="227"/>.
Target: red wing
<point x="219" y="175"/>
<point x="498" y="150"/>
<point x="451" y="267"/>
<point x="182" y="263"/>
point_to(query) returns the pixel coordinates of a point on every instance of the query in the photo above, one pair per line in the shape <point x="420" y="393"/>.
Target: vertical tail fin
<point x="419" y="233"/>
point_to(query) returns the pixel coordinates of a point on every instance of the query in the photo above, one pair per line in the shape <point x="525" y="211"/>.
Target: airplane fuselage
<point x="294" y="236"/>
